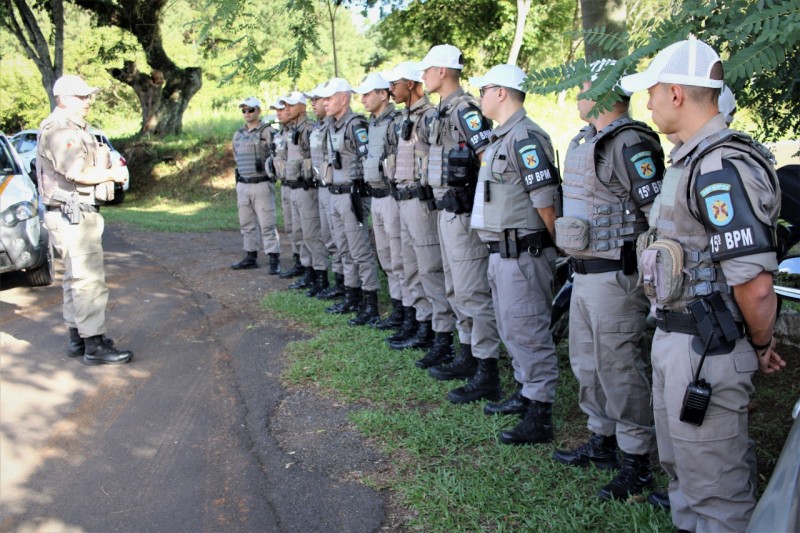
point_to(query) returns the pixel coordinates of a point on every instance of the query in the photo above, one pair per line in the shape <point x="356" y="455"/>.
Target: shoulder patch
<point x="719" y="206"/>
<point x="535" y="168"/>
<point x="644" y="164"/>
<point x="475" y="126"/>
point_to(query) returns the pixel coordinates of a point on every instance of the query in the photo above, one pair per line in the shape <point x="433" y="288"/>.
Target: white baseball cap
<point x="371" y="82"/>
<point x="442" y="55"/>
<point x="294" y="98"/>
<point x="72" y="85"/>
<point x="404" y="71"/>
<point x="510" y="76"/>
<point x="727" y="103"/>
<point x="333" y="86"/>
<point x="250" y="101"/>
<point x="278" y="104"/>
<point x="684" y="63"/>
<point x="314" y="93"/>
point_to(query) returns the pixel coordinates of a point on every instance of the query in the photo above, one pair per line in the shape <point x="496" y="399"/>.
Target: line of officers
<point x="467" y="220"/>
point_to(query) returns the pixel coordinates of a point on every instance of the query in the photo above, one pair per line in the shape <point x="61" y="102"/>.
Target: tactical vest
<point x="49" y="178"/>
<point x="317" y="146"/>
<point x="373" y="168"/>
<point x="586" y="198"/>
<point x="296" y="154"/>
<point x="501" y="201"/>
<point x="350" y="168"/>
<point x="443" y="138"/>
<point x="252" y="147"/>
<point x="674" y="216"/>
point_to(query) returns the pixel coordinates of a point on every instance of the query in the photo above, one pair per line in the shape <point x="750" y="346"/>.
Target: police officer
<point x="459" y="133"/>
<point x="255" y="189"/>
<point x="304" y="202"/>
<point x="612" y="174"/>
<point x="378" y="169"/>
<point x="514" y="214"/>
<point x="317" y="141"/>
<point x="427" y="311"/>
<point x="347" y="147"/>
<point x="714" y="225"/>
<point x="75" y="175"/>
<point x="279" y="162"/>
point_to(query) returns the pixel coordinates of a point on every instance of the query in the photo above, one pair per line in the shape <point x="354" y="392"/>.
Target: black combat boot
<point x="462" y="367"/>
<point x="98" y="352"/>
<point x="598" y="450"/>
<point x="351" y="303"/>
<point x="439" y="352"/>
<point x="337" y="290"/>
<point x="535" y="428"/>
<point x="368" y="315"/>
<point x="77" y="345"/>
<point x="634" y="477"/>
<point x="659" y="500"/>
<point x="296" y="270"/>
<point x="422" y="338"/>
<point x="320" y="283"/>
<point x="408" y="328"/>
<point x="248" y="261"/>
<point x="308" y="279"/>
<point x="395" y="319"/>
<point x="274" y="264"/>
<point x="516" y="404"/>
<point x="484" y="385"/>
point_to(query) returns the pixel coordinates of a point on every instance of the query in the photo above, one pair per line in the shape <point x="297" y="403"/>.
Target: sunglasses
<point x="483" y="90"/>
<point x="249" y="109"/>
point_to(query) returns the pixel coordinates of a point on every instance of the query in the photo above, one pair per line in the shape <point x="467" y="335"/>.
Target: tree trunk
<point x="332" y="16"/>
<point x="523" y="6"/>
<point x="609" y="14"/>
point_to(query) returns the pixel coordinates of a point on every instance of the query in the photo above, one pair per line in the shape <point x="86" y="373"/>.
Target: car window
<point x="102" y="139"/>
<point x="7" y="163"/>
<point x="25" y="143"/>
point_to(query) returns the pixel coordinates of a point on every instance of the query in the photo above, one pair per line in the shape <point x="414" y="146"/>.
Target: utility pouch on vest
<point x="558" y="202"/>
<point x="406" y="129"/>
<point x="461" y="165"/>
<point x="259" y="166"/>
<point x="572" y="234"/>
<point x="336" y="160"/>
<point x="307" y="170"/>
<point x="628" y="256"/>
<point x="104" y="192"/>
<point x="295" y="136"/>
<point x="389" y="165"/>
<point x="661" y="271"/>
<point x="435" y="164"/>
<point x="459" y="200"/>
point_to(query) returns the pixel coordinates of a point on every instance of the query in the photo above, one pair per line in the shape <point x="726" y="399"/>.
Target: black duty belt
<point x="293" y="184"/>
<point x="594" y="266"/>
<point x="407" y="194"/>
<point x="673" y="321"/>
<point x="340" y="189"/>
<point x="53" y="207"/>
<point x="380" y="193"/>
<point x="257" y="179"/>
<point x="531" y="243"/>
<point x="86" y="208"/>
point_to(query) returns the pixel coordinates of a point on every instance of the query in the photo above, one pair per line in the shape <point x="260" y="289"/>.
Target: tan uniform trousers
<point x="305" y="214"/>
<point x="84" y="283"/>
<point x="288" y="227"/>
<point x="522" y="291"/>
<point x="386" y="225"/>
<point x="353" y="243"/>
<point x="422" y="257"/>
<point x="332" y="257"/>
<point x="256" y="203"/>
<point x="466" y="261"/>
<point x="607" y="348"/>
<point x="711" y="483"/>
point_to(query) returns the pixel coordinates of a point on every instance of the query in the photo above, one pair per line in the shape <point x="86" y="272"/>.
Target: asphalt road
<point x="181" y="438"/>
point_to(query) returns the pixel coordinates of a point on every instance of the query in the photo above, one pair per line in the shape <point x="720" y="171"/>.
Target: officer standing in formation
<point x="726" y="188"/>
<point x="279" y="159"/>
<point x="514" y="213"/>
<point x="427" y="312"/>
<point x="255" y="188"/>
<point x="378" y="168"/>
<point x="458" y="135"/>
<point x="612" y="174"/>
<point x="75" y="175"/>
<point x="347" y="140"/>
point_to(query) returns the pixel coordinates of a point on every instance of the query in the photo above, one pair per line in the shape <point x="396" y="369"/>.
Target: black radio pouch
<point x="406" y="128"/>
<point x="336" y="160"/>
<point x="295" y="136"/>
<point x="461" y="166"/>
<point x="259" y="166"/>
<point x="628" y="256"/>
<point x="697" y="397"/>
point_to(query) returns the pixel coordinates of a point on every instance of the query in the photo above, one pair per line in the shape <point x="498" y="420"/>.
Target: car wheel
<point x="44" y="274"/>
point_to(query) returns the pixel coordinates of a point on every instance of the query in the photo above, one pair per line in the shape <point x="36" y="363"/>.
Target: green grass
<point x="449" y="467"/>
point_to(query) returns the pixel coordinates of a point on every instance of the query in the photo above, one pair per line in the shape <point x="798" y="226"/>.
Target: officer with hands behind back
<point x="514" y="215"/>
<point x="75" y="177"/>
<point x="707" y="264"/>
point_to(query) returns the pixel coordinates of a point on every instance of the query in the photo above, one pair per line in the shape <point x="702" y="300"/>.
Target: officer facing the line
<point x="714" y="221"/>
<point x="75" y="176"/>
<point x="255" y="188"/>
<point x="514" y="214"/>
<point x="612" y="174"/>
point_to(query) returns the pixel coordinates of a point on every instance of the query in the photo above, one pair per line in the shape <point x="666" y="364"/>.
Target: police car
<point x="24" y="241"/>
<point x="25" y="144"/>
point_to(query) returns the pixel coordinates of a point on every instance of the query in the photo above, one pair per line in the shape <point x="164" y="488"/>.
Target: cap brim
<point x="478" y="81"/>
<point x="637" y="82"/>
